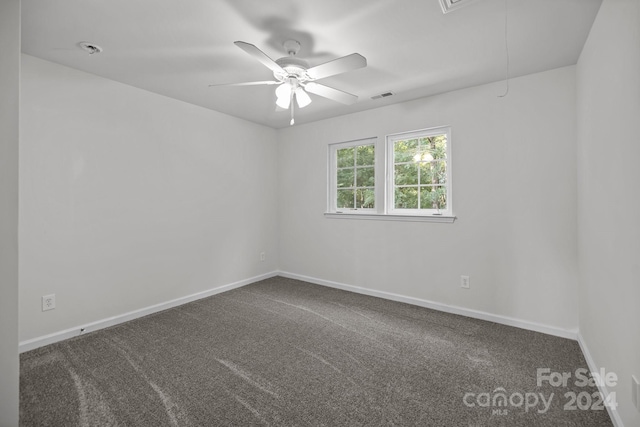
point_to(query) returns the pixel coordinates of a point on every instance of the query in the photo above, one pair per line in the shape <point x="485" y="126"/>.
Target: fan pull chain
<point x="292" y="107"/>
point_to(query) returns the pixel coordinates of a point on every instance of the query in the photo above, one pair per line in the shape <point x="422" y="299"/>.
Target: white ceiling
<point x="177" y="48"/>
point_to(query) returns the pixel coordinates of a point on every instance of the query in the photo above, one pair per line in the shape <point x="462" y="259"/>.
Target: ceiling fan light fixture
<point x="295" y="79"/>
<point x="283" y="94"/>
<point x="284" y="90"/>
<point x="302" y="97"/>
<point x="283" y="102"/>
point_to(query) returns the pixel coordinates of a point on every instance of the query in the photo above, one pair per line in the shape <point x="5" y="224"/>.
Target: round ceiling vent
<point x="90" y="47"/>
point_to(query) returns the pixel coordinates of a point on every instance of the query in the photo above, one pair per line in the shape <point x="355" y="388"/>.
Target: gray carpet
<point x="285" y="352"/>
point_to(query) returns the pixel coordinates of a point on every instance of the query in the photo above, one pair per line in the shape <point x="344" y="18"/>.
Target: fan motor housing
<point x="295" y="67"/>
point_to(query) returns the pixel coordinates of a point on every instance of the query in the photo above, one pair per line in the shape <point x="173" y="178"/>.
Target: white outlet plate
<point x="48" y="302"/>
<point x="263" y="256"/>
<point x="464" y="282"/>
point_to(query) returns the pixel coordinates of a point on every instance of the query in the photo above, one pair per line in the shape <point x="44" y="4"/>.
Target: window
<point x="407" y="178"/>
<point x="352" y="166"/>
<point x="419" y="173"/>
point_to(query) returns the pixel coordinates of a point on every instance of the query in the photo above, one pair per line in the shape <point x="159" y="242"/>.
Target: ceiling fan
<point x="295" y="78"/>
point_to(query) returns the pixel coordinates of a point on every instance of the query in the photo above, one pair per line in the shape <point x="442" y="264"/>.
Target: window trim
<point x="388" y="217"/>
<point x="332" y="178"/>
<point x="389" y="173"/>
<point x="384" y="167"/>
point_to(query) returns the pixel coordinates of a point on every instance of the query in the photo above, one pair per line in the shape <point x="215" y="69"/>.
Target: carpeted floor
<point x="285" y="352"/>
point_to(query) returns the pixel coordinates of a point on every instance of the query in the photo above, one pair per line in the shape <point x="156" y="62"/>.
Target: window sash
<point x="355" y="167"/>
<point x="391" y="163"/>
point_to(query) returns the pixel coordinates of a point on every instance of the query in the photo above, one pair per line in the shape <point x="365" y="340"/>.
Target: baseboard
<point x="496" y="318"/>
<point x="34" y="343"/>
<point x="115" y="320"/>
<point x="604" y="392"/>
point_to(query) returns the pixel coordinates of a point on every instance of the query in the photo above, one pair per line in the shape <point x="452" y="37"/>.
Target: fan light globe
<point x="302" y="98"/>
<point x="284" y="90"/>
<point x="283" y="102"/>
<point x="283" y="93"/>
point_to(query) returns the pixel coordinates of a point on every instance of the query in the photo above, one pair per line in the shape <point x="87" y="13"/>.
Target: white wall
<point x="9" y="111"/>
<point x="9" y="131"/>
<point x="608" y="94"/>
<point x="131" y="199"/>
<point x="514" y="187"/>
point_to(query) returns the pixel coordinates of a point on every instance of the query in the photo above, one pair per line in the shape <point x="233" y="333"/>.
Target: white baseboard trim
<point x="604" y="392"/>
<point x="115" y="320"/>
<point x="496" y="318"/>
<point x="34" y="343"/>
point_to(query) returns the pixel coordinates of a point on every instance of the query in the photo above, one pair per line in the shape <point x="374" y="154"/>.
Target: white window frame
<point x="333" y="176"/>
<point x="384" y="181"/>
<point x="390" y="177"/>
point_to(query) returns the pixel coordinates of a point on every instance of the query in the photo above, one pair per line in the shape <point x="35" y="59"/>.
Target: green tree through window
<point x="355" y="177"/>
<point x="420" y="171"/>
<point x="409" y="174"/>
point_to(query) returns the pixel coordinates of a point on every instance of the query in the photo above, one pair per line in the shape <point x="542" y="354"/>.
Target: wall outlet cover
<point x="464" y="282"/>
<point x="48" y="302"/>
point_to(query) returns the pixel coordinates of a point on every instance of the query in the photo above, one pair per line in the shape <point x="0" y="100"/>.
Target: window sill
<point x="383" y="217"/>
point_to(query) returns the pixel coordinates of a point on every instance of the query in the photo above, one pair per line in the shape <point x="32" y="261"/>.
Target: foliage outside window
<point x="353" y="175"/>
<point x="408" y="177"/>
<point x="420" y="172"/>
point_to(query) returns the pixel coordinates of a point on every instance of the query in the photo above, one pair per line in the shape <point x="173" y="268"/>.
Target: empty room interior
<point x="373" y="212"/>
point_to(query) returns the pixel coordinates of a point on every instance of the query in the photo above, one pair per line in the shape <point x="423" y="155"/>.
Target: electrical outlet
<point x="464" y="282"/>
<point x="263" y="256"/>
<point x="48" y="302"/>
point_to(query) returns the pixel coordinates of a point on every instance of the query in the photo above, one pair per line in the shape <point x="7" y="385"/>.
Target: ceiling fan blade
<point x="331" y="93"/>
<point x="260" y="56"/>
<point x="267" y="82"/>
<point x="337" y="66"/>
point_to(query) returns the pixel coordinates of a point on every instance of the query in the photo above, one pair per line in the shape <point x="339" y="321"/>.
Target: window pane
<point x="433" y="197"/>
<point x="345" y="177"/>
<point x="345" y="199"/>
<point x="365" y="155"/>
<point x="345" y="157"/>
<point x="365" y="198"/>
<point x="417" y="172"/>
<point x="433" y="172"/>
<point x="406" y="198"/>
<point x="425" y="154"/>
<point x="439" y="172"/>
<point x="439" y="146"/>
<point x="406" y="174"/>
<point x="433" y="147"/>
<point x="441" y="197"/>
<point x="365" y="177"/>
<point x="405" y="150"/>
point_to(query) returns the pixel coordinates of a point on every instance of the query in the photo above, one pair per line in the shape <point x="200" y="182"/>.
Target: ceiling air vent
<point x="449" y="5"/>
<point x="90" y="47"/>
<point x="382" y="95"/>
